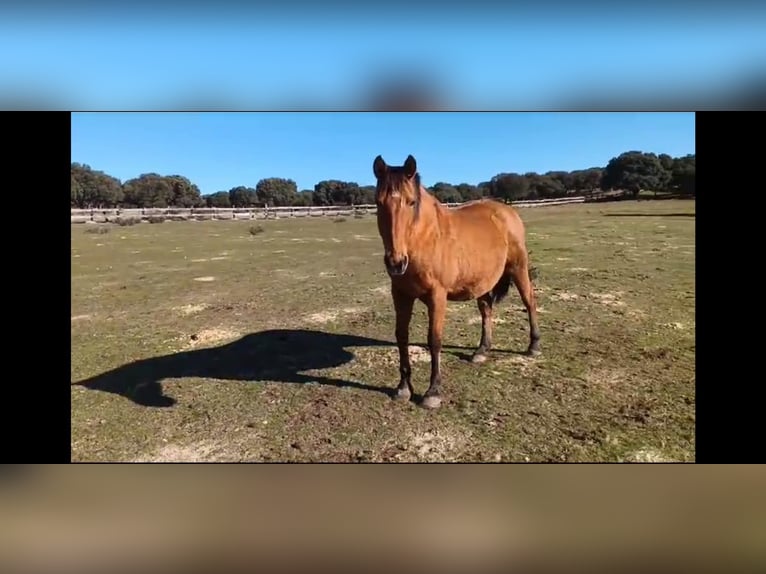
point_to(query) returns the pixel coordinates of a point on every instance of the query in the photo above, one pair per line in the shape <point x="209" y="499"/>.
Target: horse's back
<point x="490" y="215"/>
<point x="481" y="210"/>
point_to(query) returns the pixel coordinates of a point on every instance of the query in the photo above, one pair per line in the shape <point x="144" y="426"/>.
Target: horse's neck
<point x="432" y="217"/>
<point x="439" y="210"/>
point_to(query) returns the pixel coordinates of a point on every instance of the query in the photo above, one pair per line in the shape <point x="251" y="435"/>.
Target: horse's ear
<point x="410" y="167"/>
<point x="379" y="167"/>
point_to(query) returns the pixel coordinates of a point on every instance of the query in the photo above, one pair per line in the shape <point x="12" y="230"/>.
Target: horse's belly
<point x="467" y="290"/>
<point x="461" y="295"/>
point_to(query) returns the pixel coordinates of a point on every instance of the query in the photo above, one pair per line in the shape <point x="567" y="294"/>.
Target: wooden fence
<point x="248" y="213"/>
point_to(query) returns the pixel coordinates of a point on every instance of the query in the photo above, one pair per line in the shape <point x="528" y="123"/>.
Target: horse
<point x="435" y="254"/>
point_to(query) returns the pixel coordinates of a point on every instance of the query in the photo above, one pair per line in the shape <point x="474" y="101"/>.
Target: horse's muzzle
<point x="398" y="267"/>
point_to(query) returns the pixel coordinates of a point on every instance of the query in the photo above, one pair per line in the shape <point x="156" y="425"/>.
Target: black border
<point x="726" y="286"/>
<point x="35" y="426"/>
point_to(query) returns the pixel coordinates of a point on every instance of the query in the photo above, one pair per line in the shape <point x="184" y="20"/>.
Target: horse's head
<point x="398" y="198"/>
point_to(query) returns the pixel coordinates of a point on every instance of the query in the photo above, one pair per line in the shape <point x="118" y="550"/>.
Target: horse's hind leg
<point x="523" y="283"/>
<point x="485" y="308"/>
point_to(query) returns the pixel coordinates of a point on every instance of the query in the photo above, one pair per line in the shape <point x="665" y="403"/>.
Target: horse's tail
<point x="531" y="271"/>
<point x="500" y="290"/>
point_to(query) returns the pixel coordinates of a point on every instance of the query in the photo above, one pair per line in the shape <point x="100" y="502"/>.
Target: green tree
<point x="564" y="181"/>
<point x="544" y="186"/>
<point x="95" y="188"/>
<point x="634" y="171"/>
<point x="218" y="199"/>
<point x="586" y="180"/>
<point x="149" y="190"/>
<point x="366" y="195"/>
<point x="666" y="161"/>
<point x="76" y="192"/>
<point x="469" y="192"/>
<point x="509" y="186"/>
<point x="683" y="174"/>
<point x="242" y="196"/>
<point x="486" y="189"/>
<point x="276" y="191"/>
<point x="185" y="193"/>
<point x="303" y="198"/>
<point x="445" y="192"/>
<point x="337" y="192"/>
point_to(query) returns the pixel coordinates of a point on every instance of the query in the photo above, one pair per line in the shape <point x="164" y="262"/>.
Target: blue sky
<point x="221" y="150"/>
<point x="107" y="57"/>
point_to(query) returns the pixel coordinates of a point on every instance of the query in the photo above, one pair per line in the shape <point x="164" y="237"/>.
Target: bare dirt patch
<point x="476" y="320"/>
<point x="190" y="309"/>
<point x="390" y="355"/>
<point x="608" y="299"/>
<point x="564" y="296"/>
<point x="208" y="337"/>
<point x="647" y="455"/>
<point x="196" y="452"/>
<point x="80" y="317"/>
<point x="417" y="354"/>
<point x="607" y="379"/>
<point x="518" y="362"/>
<point x="437" y="446"/>
<point x="332" y="315"/>
<point x="205" y="279"/>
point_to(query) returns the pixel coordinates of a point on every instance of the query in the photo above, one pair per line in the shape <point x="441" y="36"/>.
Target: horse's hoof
<point x="402" y="395"/>
<point x="431" y="402"/>
<point x="478" y="358"/>
<point x="533" y="352"/>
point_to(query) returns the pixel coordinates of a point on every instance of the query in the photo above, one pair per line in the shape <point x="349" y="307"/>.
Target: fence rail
<point x="246" y="213"/>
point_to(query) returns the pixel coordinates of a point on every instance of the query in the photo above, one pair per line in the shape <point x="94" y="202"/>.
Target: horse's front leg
<point x="437" y="308"/>
<point x="403" y="305"/>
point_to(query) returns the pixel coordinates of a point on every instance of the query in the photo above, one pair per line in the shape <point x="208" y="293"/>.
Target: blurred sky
<point x="221" y="150"/>
<point x="115" y="56"/>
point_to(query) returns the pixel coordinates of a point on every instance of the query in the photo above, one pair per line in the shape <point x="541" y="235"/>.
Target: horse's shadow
<point x="276" y="356"/>
<point x="280" y="356"/>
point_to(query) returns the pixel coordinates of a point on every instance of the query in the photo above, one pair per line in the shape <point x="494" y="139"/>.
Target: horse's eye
<point x="411" y="203"/>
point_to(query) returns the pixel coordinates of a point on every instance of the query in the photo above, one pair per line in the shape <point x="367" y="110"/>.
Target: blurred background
<point x="333" y="518"/>
<point x="87" y="55"/>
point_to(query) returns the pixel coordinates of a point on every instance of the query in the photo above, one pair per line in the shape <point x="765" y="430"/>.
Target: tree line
<point x="632" y="171"/>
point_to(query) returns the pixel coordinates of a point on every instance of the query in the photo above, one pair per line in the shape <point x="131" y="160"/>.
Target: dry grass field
<point x="273" y="341"/>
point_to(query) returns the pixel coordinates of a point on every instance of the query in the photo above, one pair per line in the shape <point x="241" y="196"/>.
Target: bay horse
<point x="436" y="254"/>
